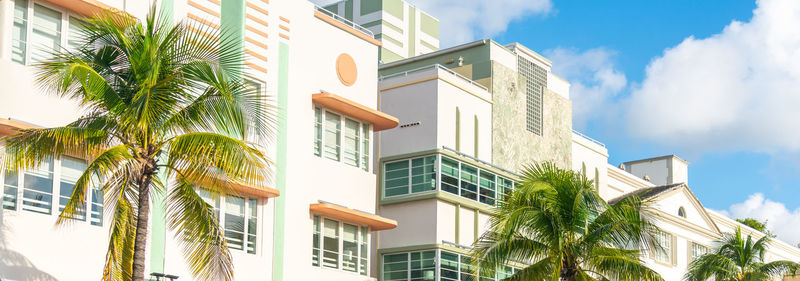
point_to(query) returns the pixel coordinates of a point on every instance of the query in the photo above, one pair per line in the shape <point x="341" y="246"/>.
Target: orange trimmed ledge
<point x="375" y="222"/>
<point x="87" y="7"/>
<point x="10" y="127"/>
<point x="257" y="191"/>
<point x="380" y="121"/>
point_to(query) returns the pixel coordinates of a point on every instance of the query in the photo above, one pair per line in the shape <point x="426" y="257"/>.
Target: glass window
<point x="10" y="190"/>
<point x="698" y="250"/>
<point x="450" y="175"/>
<point x="350" y="247"/>
<point x="396" y="176"/>
<point x="252" y="225"/>
<point x="71" y="170"/>
<point x="505" y="186"/>
<point x="364" y="249"/>
<point x="73" y="35"/>
<point x="315" y="249"/>
<point x="449" y="266"/>
<point x="19" y="32"/>
<point x="330" y="244"/>
<point x="487" y="182"/>
<point x="317" y="131"/>
<point x="365" y="147"/>
<point x="665" y="241"/>
<point x="333" y="131"/>
<point x="46" y="32"/>
<point x="352" y="141"/>
<point x="96" y="213"/>
<point x="37" y="195"/>
<point x="395" y="267"/>
<point x="234" y="222"/>
<point x="469" y="182"/>
<point x="423" y="266"/>
<point x="423" y="174"/>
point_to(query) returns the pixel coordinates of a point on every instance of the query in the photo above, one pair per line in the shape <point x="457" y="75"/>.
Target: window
<point x="340" y="245"/>
<point x="71" y="170"/>
<point x="665" y="241"/>
<point x="682" y="212"/>
<point x="697" y="250"/>
<point x="535" y="81"/>
<point x="341" y="139"/>
<point x="238" y="218"/>
<point x="10" y="190"/>
<point x="37" y="194"/>
<point x="420" y="174"/>
<point x="421" y="266"/>
<point x="39" y="30"/>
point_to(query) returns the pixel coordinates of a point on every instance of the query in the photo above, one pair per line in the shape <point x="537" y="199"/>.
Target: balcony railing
<point x="344" y="21"/>
<point x="588" y="138"/>
<point x="429" y="67"/>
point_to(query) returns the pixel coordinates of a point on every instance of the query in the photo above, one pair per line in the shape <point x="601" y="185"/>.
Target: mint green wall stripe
<point x="412" y="28"/>
<point x="232" y="21"/>
<point x="280" y="201"/>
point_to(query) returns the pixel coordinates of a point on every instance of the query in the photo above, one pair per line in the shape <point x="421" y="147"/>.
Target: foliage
<point x="755" y="224"/>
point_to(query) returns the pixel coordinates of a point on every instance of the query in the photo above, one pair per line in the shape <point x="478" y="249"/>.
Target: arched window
<point x="682" y="212"/>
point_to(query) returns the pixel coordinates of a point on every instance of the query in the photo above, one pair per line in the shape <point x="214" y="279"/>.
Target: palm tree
<point x="160" y="98"/>
<point x="739" y="259"/>
<point x="556" y="222"/>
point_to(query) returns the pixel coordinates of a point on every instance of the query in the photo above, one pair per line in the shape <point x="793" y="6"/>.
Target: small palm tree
<point x="739" y="259"/>
<point x="159" y="97"/>
<point x="557" y="222"/>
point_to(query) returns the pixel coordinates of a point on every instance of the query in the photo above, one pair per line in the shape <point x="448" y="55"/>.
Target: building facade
<point x="405" y="30"/>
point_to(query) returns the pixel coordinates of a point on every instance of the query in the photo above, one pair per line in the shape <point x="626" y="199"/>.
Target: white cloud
<point x="461" y="21"/>
<point x="780" y="220"/>
<point x="739" y="89"/>
<point x="594" y="79"/>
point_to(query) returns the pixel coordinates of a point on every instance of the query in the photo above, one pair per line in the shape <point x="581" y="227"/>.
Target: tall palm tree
<point x="160" y="98"/>
<point x="739" y="259"/>
<point x="557" y="222"/>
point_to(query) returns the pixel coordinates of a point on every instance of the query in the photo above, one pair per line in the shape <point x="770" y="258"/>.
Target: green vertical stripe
<point x="232" y="23"/>
<point x="475" y="227"/>
<point x="458" y="223"/>
<point x="348" y="10"/>
<point x="476" y="136"/>
<point x="158" y="228"/>
<point x="412" y="28"/>
<point x="458" y="129"/>
<point x="280" y="201"/>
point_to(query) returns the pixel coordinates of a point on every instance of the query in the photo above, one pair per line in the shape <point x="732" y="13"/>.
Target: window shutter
<point x="674" y="249"/>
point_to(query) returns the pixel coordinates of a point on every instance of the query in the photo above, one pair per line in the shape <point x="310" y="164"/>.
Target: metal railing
<point x="588" y="138"/>
<point x="344" y="21"/>
<point x="428" y="67"/>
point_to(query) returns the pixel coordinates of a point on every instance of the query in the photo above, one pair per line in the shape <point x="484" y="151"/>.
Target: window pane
<point x="315" y="244"/>
<point x="352" y="140"/>
<point x="504" y="187"/>
<point x="73" y="34"/>
<point x="449" y="175"/>
<point x="330" y="244"/>
<point x="46" y="32"/>
<point x="466" y="272"/>
<point x="71" y="170"/>
<point x="423" y="174"/>
<point x="350" y="247"/>
<point x="96" y="214"/>
<point x="469" y="182"/>
<point x="395" y="267"/>
<point x="10" y="189"/>
<point x="333" y="130"/>
<point x="252" y="225"/>
<point x="449" y="266"/>
<point x="19" y="32"/>
<point x="665" y="240"/>
<point x="37" y="195"/>
<point x="317" y="131"/>
<point x="487" y="193"/>
<point x="364" y="249"/>
<point x="365" y="147"/>
<point x="396" y="178"/>
<point x="234" y="222"/>
<point x="423" y="266"/>
<point x="210" y="200"/>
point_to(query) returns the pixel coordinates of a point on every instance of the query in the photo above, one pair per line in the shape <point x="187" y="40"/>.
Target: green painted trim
<point x="412" y="41"/>
<point x="348" y="10"/>
<point x="394" y="8"/>
<point x="458" y="223"/>
<point x="372" y="23"/>
<point x="232" y="25"/>
<point x="453" y="155"/>
<point x="167" y="10"/>
<point x="422" y="247"/>
<point x="438" y="195"/>
<point x="476" y="136"/>
<point x="282" y="143"/>
<point x="429" y="25"/>
<point x="429" y="45"/>
<point x="383" y="36"/>
<point x="387" y="56"/>
<point x="458" y="129"/>
<point x="370" y="6"/>
<point x="392" y="26"/>
<point x="475" y="227"/>
<point x="158" y="228"/>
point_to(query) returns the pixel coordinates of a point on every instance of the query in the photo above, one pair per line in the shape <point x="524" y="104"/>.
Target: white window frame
<point x="359" y="259"/>
<point x="364" y="153"/>
<point x="221" y="200"/>
<point x="65" y="24"/>
<point x="54" y="196"/>
<point x="692" y="255"/>
<point x="668" y="250"/>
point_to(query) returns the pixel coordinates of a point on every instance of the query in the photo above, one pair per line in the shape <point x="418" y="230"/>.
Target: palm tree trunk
<point x="142" y="219"/>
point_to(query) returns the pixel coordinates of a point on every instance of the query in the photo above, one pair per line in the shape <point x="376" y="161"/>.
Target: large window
<point x="664" y="240"/>
<point x="39" y="29"/>
<point x="697" y="250"/>
<point x="420" y="174"/>
<point x="340" y="138"/>
<point x="40" y="191"/>
<point x="238" y="217"/>
<point x="422" y="266"/>
<point x="340" y="245"/>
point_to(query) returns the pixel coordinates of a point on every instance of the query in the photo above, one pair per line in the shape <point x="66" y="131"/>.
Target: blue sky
<point x="705" y="80"/>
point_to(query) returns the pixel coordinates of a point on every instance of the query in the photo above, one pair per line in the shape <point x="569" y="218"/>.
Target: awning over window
<point x="257" y="191"/>
<point x="379" y="120"/>
<point x="10" y="127"/>
<point x="375" y="222"/>
<point x="86" y="7"/>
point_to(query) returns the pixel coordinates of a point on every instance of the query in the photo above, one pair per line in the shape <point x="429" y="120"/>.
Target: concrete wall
<point x="592" y="156"/>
